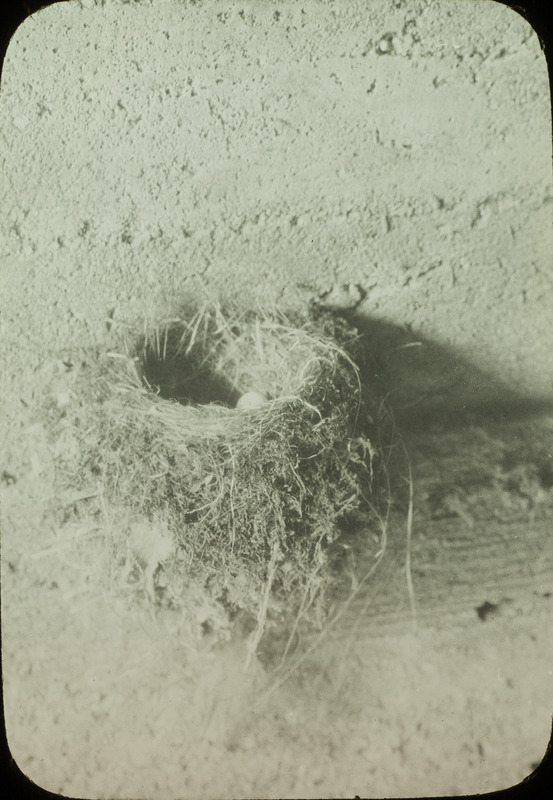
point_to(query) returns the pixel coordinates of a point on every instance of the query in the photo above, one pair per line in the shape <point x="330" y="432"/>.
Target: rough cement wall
<point x="277" y="147"/>
<point x="405" y="146"/>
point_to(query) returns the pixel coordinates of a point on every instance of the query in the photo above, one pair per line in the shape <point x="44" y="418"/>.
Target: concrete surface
<point x="274" y="149"/>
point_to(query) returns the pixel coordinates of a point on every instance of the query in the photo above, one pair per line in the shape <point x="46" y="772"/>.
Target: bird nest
<point x="241" y="446"/>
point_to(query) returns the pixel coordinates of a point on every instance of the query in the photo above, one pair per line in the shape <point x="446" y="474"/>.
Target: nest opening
<point x="188" y="378"/>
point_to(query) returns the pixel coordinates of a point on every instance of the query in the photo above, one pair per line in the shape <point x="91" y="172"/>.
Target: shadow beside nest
<point x="427" y="384"/>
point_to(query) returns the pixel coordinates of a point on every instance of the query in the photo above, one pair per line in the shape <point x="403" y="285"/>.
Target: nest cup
<point x="248" y="440"/>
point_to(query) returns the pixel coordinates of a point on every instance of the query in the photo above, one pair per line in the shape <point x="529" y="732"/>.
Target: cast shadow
<point x="428" y="385"/>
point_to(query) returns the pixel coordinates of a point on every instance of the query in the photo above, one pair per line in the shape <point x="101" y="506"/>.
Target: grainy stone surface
<point x="272" y="146"/>
<point x="277" y="149"/>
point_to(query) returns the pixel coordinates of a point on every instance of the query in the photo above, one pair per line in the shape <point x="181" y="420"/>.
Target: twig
<point x="255" y="638"/>
<point x="291" y="668"/>
<point x="408" y="574"/>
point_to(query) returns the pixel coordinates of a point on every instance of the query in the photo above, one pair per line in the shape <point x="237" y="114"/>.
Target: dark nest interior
<point x="241" y="451"/>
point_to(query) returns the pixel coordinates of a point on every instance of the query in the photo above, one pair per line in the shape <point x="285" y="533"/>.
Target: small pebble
<point x="386" y="44"/>
<point x="342" y="297"/>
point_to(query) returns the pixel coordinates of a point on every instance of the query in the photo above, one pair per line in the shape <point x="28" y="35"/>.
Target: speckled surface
<point x="277" y="146"/>
<point x="276" y="149"/>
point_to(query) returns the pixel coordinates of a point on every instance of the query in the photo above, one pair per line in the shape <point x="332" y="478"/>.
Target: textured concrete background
<point x="277" y="147"/>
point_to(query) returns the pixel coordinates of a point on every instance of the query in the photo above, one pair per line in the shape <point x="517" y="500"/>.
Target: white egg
<point x="251" y="400"/>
